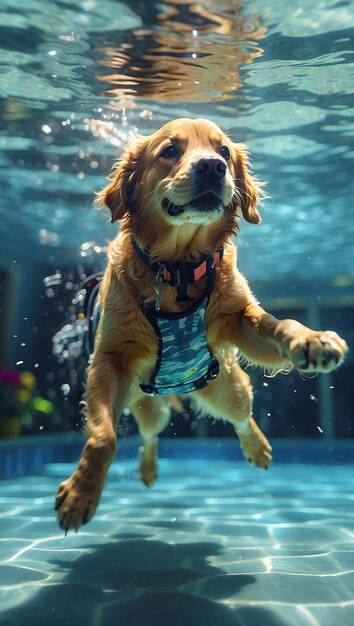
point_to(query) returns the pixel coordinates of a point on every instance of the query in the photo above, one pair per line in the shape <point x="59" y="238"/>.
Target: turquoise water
<point x="214" y="542"/>
<point x="211" y="543"/>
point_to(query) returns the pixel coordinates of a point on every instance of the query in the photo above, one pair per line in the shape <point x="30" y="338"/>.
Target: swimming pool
<point x="213" y="542"/>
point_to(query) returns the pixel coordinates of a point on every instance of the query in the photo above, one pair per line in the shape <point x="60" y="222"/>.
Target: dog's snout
<point x="210" y="166"/>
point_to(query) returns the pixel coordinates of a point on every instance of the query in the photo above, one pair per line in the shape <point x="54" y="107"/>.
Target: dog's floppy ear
<point x="122" y="192"/>
<point x="248" y="189"/>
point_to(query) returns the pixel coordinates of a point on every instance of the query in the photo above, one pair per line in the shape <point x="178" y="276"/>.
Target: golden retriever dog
<point x="174" y="309"/>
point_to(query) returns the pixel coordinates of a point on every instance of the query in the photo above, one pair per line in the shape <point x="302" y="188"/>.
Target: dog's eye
<point x="170" y="152"/>
<point x="225" y="152"/>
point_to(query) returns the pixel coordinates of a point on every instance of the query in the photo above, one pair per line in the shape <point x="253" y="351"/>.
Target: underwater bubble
<point x="53" y="279"/>
<point x="79" y="297"/>
<point x="91" y="248"/>
<point x="48" y="238"/>
<point x="146" y="114"/>
<point x="68" y="342"/>
<point x="65" y="389"/>
<point x="87" y="246"/>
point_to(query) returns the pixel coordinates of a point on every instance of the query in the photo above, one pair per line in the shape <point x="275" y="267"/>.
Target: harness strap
<point x="182" y="273"/>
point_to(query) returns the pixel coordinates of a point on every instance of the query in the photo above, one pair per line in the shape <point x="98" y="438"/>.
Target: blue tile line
<point x="31" y="455"/>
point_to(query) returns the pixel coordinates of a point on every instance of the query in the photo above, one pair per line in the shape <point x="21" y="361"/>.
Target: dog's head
<point x="189" y="171"/>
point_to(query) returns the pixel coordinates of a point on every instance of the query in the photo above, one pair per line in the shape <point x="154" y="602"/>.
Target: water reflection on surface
<point x="78" y="77"/>
<point x="189" y="53"/>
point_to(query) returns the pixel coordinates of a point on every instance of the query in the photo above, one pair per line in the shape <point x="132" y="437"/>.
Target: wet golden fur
<point x="126" y="345"/>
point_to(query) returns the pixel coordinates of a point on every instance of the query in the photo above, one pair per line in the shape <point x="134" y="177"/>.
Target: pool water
<point x="213" y="543"/>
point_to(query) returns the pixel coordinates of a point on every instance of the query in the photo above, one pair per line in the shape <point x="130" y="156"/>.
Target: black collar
<point x="180" y="274"/>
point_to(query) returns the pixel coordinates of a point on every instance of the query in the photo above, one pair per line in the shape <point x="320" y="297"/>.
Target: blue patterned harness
<point x="184" y="362"/>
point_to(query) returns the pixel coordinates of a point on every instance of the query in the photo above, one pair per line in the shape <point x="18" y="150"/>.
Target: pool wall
<point x="29" y="455"/>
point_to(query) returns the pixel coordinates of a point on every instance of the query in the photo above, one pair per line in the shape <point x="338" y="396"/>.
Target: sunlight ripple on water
<point x="280" y="549"/>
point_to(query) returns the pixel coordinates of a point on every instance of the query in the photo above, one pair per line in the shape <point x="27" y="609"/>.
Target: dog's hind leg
<point x="152" y="414"/>
<point x="230" y="397"/>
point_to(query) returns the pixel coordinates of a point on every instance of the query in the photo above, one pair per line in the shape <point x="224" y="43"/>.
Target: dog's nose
<point x="210" y="166"/>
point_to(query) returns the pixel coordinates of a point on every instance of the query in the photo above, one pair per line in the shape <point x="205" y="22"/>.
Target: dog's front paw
<point x="77" y="500"/>
<point x="318" y="351"/>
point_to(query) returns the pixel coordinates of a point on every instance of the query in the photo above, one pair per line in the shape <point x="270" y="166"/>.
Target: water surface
<point x="78" y="76"/>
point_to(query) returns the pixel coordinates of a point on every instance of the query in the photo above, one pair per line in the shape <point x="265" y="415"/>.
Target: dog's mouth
<point x="206" y="202"/>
